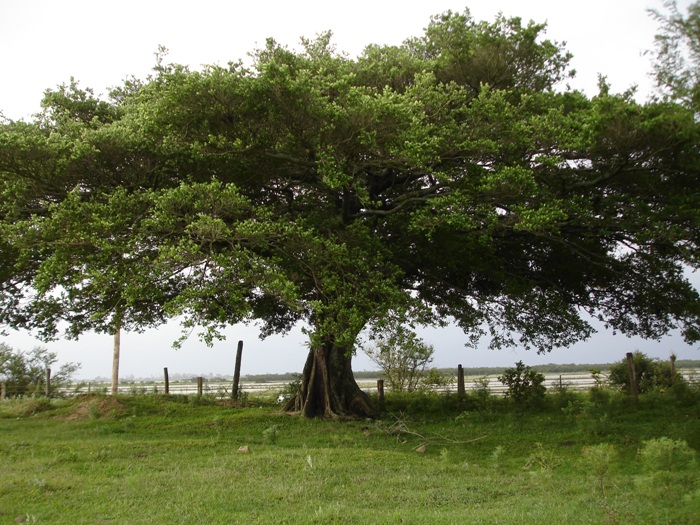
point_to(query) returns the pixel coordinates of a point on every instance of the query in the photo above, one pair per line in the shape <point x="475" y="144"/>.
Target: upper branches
<point x="445" y="176"/>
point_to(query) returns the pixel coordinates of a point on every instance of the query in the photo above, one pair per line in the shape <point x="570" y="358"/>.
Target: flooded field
<point x="222" y="389"/>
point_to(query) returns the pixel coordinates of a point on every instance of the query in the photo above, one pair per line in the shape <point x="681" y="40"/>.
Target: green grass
<point x="152" y="460"/>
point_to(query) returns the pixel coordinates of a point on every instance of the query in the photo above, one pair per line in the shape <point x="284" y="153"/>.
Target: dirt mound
<point x="94" y="407"/>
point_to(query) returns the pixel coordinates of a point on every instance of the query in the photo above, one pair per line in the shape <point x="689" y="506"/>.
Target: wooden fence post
<point x="380" y="392"/>
<point x="673" y="369"/>
<point x="48" y="382"/>
<point x="633" y="375"/>
<point x="237" y="371"/>
<point x="167" y="380"/>
<point x="460" y="381"/>
<point x="200" y="385"/>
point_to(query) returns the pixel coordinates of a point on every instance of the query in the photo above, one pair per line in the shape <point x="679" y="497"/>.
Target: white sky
<point x="45" y="42"/>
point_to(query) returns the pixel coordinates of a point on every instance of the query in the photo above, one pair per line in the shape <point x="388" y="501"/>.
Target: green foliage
<point x="270" y="434"/>
<point x="444" y="178"/>
<point x="599" y="381"/>
<point x="597" y="412"/>
<point x="402" y="356"/>
<point x="562" y="396"/>
<point x="685" y="392"/>
<point x="650" y="373"/>
<point x="292" y="388"/>
<point x="666" y="454"/>
<point x="670" y="469"/>
<point x="524" y="386"/>
<point x="421" y="402"/>
<point x="599" y="458"/>
<point x="542" y="459"/>
<point x="678" y="52"/>
<point x="25" y="407"/>
<point x="482" y="393"/>
<point x="496" y="456"/>
<point x="433" y="380"/>
<point x="24" y="373"/>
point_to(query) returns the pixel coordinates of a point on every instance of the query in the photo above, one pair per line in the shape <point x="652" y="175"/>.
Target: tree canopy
<point x="677" y="65"/>
<point x="449" y="178"/>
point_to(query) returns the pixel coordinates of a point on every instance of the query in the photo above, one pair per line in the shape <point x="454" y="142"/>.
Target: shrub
<point x="435" y="381"/>
<point x="482" y="393"/>
<point x="650" y="373"/>
<point x="271" y="434"/>
<point x="563" y="397"/>
<point x="525" y="386"/>
<point x="685" y="393"/>
<point x="599" y="458"/>
<point x="666" y="454"/>
<point x="542" y="459"/>
<point x="402" y="356"/>
<point x="24" y="373"/>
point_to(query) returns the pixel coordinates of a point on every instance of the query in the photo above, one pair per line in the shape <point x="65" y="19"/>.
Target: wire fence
<point x="222" y="388"/>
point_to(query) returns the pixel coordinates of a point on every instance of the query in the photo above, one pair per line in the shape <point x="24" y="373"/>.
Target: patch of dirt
<point x="94" y="407"/>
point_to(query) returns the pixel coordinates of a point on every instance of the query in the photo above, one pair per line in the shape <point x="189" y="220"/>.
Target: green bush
<point x="685" y="393"/>
<point x="650" y="374"/>
<point x="525" y="386"/>
<point x="402" y="357"/>
<point x="598" y="458"/>
<point x="600" y="411"/>
<point x="666" y="454"/>
<point x="434" y="380"/>
<point x="561" y="398"/>
<point x="481" y="394"/>
<point x="24" y="373"/>
<point x="422" y="402"/>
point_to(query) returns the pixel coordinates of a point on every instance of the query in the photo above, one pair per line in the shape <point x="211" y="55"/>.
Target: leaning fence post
<point x="460" y="381"/>
<point x="200" y="384"/>
<point x="633" y="375"/>
<point x="237" y="371"/>
<point x="167" y="380"/>
<point x="48" y="382"/>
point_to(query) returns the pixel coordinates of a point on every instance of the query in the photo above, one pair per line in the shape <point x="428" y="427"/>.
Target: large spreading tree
<point x="451" y="178"/>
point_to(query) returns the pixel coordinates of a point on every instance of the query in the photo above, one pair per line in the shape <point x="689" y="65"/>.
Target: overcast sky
<point x="44" y="43"/>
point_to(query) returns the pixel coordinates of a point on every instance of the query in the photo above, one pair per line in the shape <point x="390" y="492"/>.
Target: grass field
<point x="155" y="460"/>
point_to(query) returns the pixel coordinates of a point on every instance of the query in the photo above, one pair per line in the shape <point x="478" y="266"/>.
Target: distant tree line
<point x="551" y="368"/>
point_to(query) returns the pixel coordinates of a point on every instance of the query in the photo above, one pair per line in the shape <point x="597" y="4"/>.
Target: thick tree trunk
<point x="328" y="388"/>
